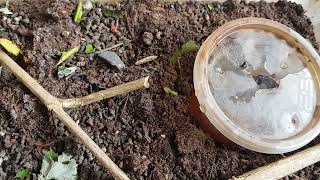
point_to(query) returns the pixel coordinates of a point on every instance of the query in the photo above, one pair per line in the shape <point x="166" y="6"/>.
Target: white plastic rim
<point x="217" y="117"/>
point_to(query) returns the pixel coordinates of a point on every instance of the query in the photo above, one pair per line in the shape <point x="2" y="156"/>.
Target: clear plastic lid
<point x="262" y="84"/>
<point x="257" y="81"/>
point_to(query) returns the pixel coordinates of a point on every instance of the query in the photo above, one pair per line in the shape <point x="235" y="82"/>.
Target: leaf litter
<point x="58" y="167"/>
<point x="10" y="46"/>
<point x="68" y="54"/>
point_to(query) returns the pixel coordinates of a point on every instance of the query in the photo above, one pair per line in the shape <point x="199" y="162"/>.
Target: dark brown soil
<point x="148" y="133"/>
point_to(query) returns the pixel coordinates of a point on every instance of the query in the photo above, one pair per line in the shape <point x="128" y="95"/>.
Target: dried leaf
<point x="78" y="13"/>
<point x="88" y="5"/>
<point x="68" y="54"/>
<point x="5" y="10"/>
<point x="89" y="49"/>
<point x="170" y="91"/>
<point x="65" y="167"/>
<point x="146" y="59"/>
<point x="117" y="14"/>
<point x="22" y="173"/>
<point x="10" y="46"/>
<point x="189" y="47"/>
<point x="66" y="71"/>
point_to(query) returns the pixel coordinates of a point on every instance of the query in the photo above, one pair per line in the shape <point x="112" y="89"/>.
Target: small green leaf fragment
<point x="185" y="48"/>
<point x="117" y="14"/>
<point x="170" y="91"/>
<point x="89" y="49"/>
<point x="210" y="7"/>
<point x="52" y="155"/>
<point x="175" y="57"/>
<point x="189" y="47"/>
<point x="68" y="54"/>
<point x="22" y="173"/>
<point x="78" y="13"/>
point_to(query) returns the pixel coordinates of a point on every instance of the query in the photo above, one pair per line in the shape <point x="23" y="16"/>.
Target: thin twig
<point x="53" y="104"/>
<point x="44" y="145"/>
<point x="104" y="94"/>
<point x="114" y="46"/>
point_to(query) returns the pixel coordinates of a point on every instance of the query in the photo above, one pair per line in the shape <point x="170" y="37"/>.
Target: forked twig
<point x="104" y="94"/>
<point x="56" y="106"/>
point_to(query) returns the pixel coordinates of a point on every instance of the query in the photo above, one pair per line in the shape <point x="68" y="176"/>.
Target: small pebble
<point x="18" y="18"/>
<point x="113" y="59"/>
<point x="25" y="20"/>
<point x="94" y="27"/>
<point x="147" y="38"/>
<point x="9" y="21"/>
<point x="2" y="153"/>
<point x="163" y="136"/>
<point x="158" y="35"/>
<point x="206" y="17"/>
<point x="65" y="33"/>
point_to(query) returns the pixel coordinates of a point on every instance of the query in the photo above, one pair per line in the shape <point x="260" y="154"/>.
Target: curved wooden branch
<point x="104" y="94"/>
<point x="54" y="105"/>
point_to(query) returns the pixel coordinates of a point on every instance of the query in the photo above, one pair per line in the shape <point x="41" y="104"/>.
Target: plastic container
<point x="257" y="82"/>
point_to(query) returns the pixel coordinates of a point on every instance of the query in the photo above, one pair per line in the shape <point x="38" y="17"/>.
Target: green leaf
<point x="78" y="13"/>
<point x="68" y="54"/>
<point x="10" y="46"/>
<point x="66" y="71"/>
<point x="175" y="57"/>
<point x="117" y="14"/>
<point x="64" y="168"/>
<point x="22" y="173"/>
<point x="189" y="47"/>
<point x="89" y="49"/>
<point x="210" y="7"/>
<point x="170" y="91"/>
<point x="185" y="48"/>
<point x="52" y="155"/>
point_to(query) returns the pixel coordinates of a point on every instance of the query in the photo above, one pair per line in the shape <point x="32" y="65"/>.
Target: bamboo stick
<point x="104" y="94"/>
<point x="285" y="166"/>
<point x="53" y="104"/>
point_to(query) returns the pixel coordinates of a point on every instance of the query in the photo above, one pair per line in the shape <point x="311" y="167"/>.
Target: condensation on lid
<point x="262" y="84"/>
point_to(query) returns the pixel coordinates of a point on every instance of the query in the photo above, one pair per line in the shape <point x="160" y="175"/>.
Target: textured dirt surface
<point x="148" y="133"/>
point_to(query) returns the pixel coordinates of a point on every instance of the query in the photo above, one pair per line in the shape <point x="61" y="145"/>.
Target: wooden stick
<point x="111" y="47"/>
<point x="104" y="94"/>
<point x="285" y="166"/>
<point x="53" y="104"/>
<point x="146" y="60"/>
